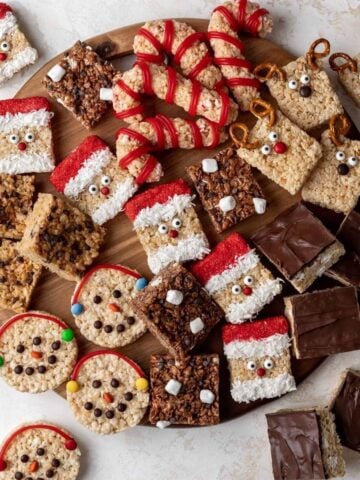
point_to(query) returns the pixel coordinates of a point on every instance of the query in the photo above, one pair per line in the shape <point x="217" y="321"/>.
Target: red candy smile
<point x="280" y="147"/>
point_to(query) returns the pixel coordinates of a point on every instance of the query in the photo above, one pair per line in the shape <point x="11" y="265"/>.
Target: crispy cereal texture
<point x="351" y="80"/>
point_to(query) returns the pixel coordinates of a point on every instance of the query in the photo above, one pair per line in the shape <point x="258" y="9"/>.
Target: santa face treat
<point x="16" y="52"/>
<point x="227" y="189"/>
<point x="302" y="88"/>
<point x="37" y="352"/>
<point x="177" y="310"/>
<point x="102" y="308"/>
<point x="25" y="136"/>
<point x="167" y="225"/>
<point x="259" y="359"/>
<point x="335" y="181"/>
<point x="39" y="451"/>
<point x="348" y="70"/>
<point x="108" y="392"/>
<point x="275" y="145"/>
<point x="234" y="276"/>
<point x="299" y="245"/>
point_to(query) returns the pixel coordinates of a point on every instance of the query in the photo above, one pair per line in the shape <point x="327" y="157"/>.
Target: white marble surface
<point x="237" y="450"/>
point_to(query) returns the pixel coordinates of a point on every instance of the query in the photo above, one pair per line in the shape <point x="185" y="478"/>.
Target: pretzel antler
<point x="312" y="56"/>
<point x="243" y="140"/>
<point x="349" y="62"/>
<point x="338" y="125"/>
<point x="265" y="71"/>
<point x="260" y="108"/>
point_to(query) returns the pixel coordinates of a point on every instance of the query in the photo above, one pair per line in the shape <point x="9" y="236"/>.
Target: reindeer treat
<point x="37" y="352"/>
<point x="107" y="392"/>
<point x="276" y="146"/>
<point x="226" y="22"/>
<point x="302" y="88"/>
<point x="335" y="181"/>
<point x="348" y="70"/>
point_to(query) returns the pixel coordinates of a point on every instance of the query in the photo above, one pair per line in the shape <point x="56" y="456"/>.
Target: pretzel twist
<point x="339" y="125"/>
<point x="265" y="110"/>
<point x="349" y="63"/>
<point x="266" y="71"/>
<point x="312" y="56"/>
<point x="242" y="141"/>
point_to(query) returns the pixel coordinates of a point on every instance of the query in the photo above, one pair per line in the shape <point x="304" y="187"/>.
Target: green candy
<point x="1" y="361"/>
<point x="67" y="335"/>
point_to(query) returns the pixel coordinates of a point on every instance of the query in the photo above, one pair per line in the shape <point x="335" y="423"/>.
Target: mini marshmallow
<point x="196" y="325"/>
<point x="56" y="73"/>
<point x="207" y="396"/>
<point x="173" y="387"/>
<point x="259" y="204"/>
<point x="227" y="204"/>
<point x="174" y="296"/>
<point x="106" y="94"/>
<point x="209" y="165"/>
<point x="163" y="424"/>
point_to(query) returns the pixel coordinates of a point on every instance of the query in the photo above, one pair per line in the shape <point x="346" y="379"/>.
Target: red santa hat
<point x="7" y="19"/>
<point x="24" y="112"/>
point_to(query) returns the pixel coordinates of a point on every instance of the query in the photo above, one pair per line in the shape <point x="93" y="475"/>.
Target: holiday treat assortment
<point x="212" y="283"/>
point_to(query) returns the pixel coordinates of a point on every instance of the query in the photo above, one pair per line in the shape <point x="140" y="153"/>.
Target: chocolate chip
<point x="29" y="371"/>
<point x="41" y="369"/>
<point x="50" y="474"/>
<point x="24" y="458"/>
<point x="97" y="412"/>
<point x="97" y="299"/>
<point x="121" y="407"/>
<point x="56" y="345"/>
<point x="19" y="476"/>
<point x="305" y="91"/>
<point x="130" y="320"/>
<point x="40" y="451"/>
<point x="36" y="340"/>
<point x="52" y="359"/>
<point x="128" y="396"/>
<point x="120" y="328"/>
<point x="116" y="294"/>
<point x="98" y="324"/>
<point x="108" y="328"/>
<point x="18" y="369"/>
<point x="96" y="384"/>
<point x="55" y="463"/>
<point x="343" y="169"/>
<point x="115" y="383"/>
<point x="109" y="414"/>
<point x="20" y="348"/>
<point x="88" y="406"/>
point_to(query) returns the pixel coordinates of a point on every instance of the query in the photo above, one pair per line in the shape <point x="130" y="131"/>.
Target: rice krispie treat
<point x="76" y="81"/>
<point x="277" y="147"/>
<point x="226" y="22"/>
<point x="299" y="245"/>
<point x="158" y="40"/>
<point x="227" y="189"/>
<point x="39" y="450"/>
<point x="335" y="181"/>
<point x="16" y="199"/>
<point x="26" y="144"/>
<point x="304" y="444"/>
<point x="18" y="277"/>
<point x="16" y="52"/>
<point x="61" y="237"/>
<point x="177" y="310"/>
<point x="348" y="70"/>
<point x="234" y="276"/>
<point x="302" y="88"/>
<point x="324" y="322"/>
<point x="167" y="225"/>
<point x="38" y="352"/>
<point x="107" y="392"/>
<point x="184" y="391"/>
<point x="101" y="305"/>
<point x="259" y="359"/>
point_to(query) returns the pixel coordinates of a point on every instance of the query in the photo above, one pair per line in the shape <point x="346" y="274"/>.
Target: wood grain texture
<point x="121" y="246"/>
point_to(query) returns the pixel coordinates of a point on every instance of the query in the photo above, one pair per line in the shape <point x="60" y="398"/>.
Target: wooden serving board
<point x="121" y="246"/>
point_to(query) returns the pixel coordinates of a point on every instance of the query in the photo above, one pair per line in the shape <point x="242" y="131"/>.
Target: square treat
<point x="16" y="52"/>
<point x="184" y="391"/>
<point x="75" y="82"/>
<point x="167" y="225"/>
<point x="91" y="177"/>
<point x="299" y="245"/>
<point x="346" y="407"/>
<point x="26" y="144"/>
<point x="16" y="199"/>
<point x="61" y="237"/>
<point x="234" y="276"/>
<point x="348" y="70"/>
<point x="18" y="277"/>
<point x="227" y="189"/>
<point x="177" y="310"/>
<point x="324" y="322"/>
<point x="277" y="147"/>
<point x="304" y="445"/>
<point x="259" y="359"/>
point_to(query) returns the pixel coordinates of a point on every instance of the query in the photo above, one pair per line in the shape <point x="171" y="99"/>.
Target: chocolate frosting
<point x="295" y="446"/>
<point x="348" y="268"/>
<point x="347" y="411"/>
<point x="349" y="232"/>
<point x="326" y="322"/>
<point x="293" y="240"/>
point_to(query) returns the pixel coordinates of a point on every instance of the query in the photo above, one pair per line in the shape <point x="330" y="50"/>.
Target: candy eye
<point x="29" y="137"/>
<point x="251" y="365"/>
<point x="340" y="156"/>
<point x="105" y="180"/>
<point x="96" y="384"/>
<point x="352" y="161"/>
<point x="292" y="84"/>
<point x="273" y="136"/>
<point x="162" y="228"/>
<point x="14" y="138"/>
<point x="248" y="280"/>
<point x="268" y="363"/>
<point x="236" y="289"/>
<point x="5" y="46"/>
<point x="176" y="223"/>
<point x="266" y="149"/>
<point x="93" y="189"/>
<point x="305" y="79"/>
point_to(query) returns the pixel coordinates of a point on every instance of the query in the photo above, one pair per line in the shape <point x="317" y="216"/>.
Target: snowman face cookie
<point x="39" y="451"/>
<point x="101" y="305"/>
<point x="108" y="392"/>
<point x="37" y="352"/>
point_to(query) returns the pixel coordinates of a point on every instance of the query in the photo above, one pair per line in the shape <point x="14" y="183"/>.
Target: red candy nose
<point x="261" y="372"/>
<point x="280" y="147"/>
<point x="70" y="444"/>
<point x="173" y="233"/>
<point x="105" y="191"/>
<point x="2" y="465"/>
<point x="247" y="291"/>
<point x="3" y="57"/>
<point x="22" y="146"/>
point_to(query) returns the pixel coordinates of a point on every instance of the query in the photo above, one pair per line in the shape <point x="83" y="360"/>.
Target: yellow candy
<point x="72" y="386"/>
<point x="142" y="384"/>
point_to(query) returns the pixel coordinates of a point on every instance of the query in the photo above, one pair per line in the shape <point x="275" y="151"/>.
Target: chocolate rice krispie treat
<point x="16" y="199"/>
<point x="75" y="82"/>
<point x="177" y="310"/>
<point x="60" y="237"/>
<point x="348" y="70"/>
<point x="184" y="391"/>
<point x="227" y="189"/>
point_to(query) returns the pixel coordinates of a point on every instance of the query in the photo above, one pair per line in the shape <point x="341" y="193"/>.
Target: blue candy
<point x="77" y="309"/>
<point x="141" y="283"/>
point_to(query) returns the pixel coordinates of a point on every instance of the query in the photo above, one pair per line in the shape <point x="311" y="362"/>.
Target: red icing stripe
<point x="253" y="22"/>
<point x="130" y="112"/>
<point x="159" y="132"/>
<point x="150" y="38"/>
<point x="233" y="62"/>
<point x="244" y="82"/>
<point x="170" y="127"/>
<point x="170" y="94"/>
<point x="133" y="155"/>
<point x="215" y="134"/>
<point x="168" y="35"/>
<point x="23" y="105"/>
<point x="159" y="194"/>
<point x="129" y="91"/>
<point x="199" y="67"/>
<point x="187" y="43"/>
<point x="198" y="142"/>
<point x="21" y="316"/>
<point x="241" y="14"/>
<point x="147" y="169"/>
<point x="233" y="24"/>
<point x="225" y="108"/>
<point x="149" y="57"/>
<point x="257" y="330"/>
<point x="132" y="134"/>
<point x="90" y="355"/>
<point x="222" y="257"/>
<point x="227" y="38"/>
<point x="195" y="97"/>
<point x="71" y="164"/>
<point x="145" y="70"/>
<point x="90" y="273"/>
<point x="4" y="9"/>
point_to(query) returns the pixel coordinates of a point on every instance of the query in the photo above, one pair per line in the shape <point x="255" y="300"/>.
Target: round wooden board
<point x="121" y="246"/>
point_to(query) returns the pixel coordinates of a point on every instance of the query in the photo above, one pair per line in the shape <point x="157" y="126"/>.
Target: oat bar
<point x="348" y="70"/>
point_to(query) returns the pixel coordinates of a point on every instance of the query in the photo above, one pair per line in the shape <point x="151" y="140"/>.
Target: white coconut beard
<point x="250" y="390"/>
<point x="24" y="58"/>
<point x="193" y="247"/>
<point x="241" y="312"/>
<point x="16" y="163"/>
